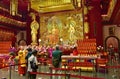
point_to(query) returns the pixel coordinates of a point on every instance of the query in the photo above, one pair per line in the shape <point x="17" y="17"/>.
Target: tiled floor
<point x="113" y="73"/>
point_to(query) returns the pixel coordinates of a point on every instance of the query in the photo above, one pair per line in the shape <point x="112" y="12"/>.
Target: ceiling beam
<point x="116" y="14"/>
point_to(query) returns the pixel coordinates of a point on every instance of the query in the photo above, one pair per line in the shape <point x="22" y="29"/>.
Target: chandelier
<point x="13" y="7"/>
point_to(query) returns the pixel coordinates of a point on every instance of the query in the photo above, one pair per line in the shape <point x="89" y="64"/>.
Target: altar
<point x="85" y="63"/>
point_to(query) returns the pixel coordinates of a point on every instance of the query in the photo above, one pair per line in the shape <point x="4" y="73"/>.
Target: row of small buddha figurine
<point x="86" y="47"/>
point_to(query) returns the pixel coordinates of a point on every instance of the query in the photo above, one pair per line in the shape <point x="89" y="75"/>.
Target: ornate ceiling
<point x="43" y="6"/>
<point x="50" y="5"/>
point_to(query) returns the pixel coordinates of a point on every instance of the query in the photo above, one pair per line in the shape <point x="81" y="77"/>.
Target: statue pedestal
<point x="34" y="43"/>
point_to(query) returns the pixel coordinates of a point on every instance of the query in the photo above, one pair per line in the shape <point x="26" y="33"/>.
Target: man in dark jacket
<point x="56" y="57"/>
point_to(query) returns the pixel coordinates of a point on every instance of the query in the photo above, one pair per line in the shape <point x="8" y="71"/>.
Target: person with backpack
<point x="32" y="65"/>
<point x="56" y="58"/>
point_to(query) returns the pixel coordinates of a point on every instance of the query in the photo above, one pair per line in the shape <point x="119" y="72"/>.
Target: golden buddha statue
<point x="71" y="24"/>
<point x="34" y="28"/>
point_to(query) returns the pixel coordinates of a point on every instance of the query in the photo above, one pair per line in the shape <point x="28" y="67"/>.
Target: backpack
<point x="33" y="65"/>
<point x="55" y="62"/>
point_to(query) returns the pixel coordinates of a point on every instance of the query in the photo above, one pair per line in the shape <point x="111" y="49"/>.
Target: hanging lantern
<point x="13" y="7"/>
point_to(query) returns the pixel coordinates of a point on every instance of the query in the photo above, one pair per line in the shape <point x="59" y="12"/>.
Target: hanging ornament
<point x="13" y="7"/>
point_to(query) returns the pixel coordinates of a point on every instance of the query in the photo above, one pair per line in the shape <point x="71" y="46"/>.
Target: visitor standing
<point x="28" y="54"/>
<point x="56" y="58"/>
<point x="32" y="65"/>
<point x="22" y="61"/>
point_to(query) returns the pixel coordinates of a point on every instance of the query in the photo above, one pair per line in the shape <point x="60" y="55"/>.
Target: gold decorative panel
<point x="64" y="27"/>
<point x="43" y="6"/>
<point x="11" y="21"/>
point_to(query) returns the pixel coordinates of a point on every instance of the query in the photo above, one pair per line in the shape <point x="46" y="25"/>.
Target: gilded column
<point x="42" y="29"/>
<point x="86" y="23"/>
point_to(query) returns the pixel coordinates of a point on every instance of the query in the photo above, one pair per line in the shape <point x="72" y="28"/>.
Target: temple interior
<point x="90" y="26"/>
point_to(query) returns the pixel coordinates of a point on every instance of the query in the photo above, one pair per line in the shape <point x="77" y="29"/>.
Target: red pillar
<point x="95" y="22"/>
<point x="28" y="30"/>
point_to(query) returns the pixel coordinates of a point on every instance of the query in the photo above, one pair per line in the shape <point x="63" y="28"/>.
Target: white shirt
<point x="31" y="58"/>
